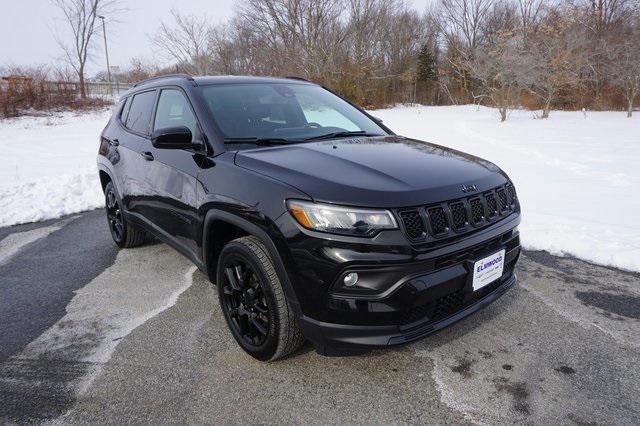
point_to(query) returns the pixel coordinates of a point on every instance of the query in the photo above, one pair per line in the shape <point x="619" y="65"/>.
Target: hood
<point x="386" y="171"/>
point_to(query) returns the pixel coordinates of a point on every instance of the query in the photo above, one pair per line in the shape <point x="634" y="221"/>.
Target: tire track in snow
<point x="64" y="360"/>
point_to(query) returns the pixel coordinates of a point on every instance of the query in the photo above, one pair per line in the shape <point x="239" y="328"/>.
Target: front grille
<point x="502" y="199"/>
<point x="438" y="220"/>
<point x="458" y="216"/>
<point x="477" y="210"/>
<point x="511" y="191"/>
<point x="492" y="205"/>
<point x="413" y="224"/>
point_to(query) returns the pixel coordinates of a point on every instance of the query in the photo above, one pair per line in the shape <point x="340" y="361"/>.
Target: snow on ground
<point x="577" y="178"/>
<point x="48" y="166"/>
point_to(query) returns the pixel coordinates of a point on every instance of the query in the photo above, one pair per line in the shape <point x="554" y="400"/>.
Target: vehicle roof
<point x="182" y="79"/>
<point x="226" y="79"/>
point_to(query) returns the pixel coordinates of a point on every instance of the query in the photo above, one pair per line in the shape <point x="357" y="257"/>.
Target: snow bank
<point x="48" y="166"/>
<point x="577" y="178"/>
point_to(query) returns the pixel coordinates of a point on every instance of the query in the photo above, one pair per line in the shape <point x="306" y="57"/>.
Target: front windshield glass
<point x="284" y="112"/>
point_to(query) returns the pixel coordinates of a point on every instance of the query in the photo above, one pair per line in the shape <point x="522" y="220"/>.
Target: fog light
<point x="351" y="279"/>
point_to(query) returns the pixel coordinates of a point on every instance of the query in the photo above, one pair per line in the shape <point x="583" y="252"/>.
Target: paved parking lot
<point x="90" y="334"/>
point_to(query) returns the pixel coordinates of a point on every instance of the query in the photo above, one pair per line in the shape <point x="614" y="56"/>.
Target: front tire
<point x="253" y="301"/>
<point x="123" y="232"/>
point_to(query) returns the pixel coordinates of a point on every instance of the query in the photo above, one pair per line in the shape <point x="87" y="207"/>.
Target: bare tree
<point x="605" y="22"/>
<point x="623" y="65"/>
<point x="463" y="21"/>
<point x="530" y="14"/>
<point x="601" y="17"/>
<point x="555" y="57"/>
<point x="498" y="68"/>
<point x="304" y="35"/>
<point x="367" y="28"/>
<point x="81" y="15"/>
<point x="187" y="42"/>
<point x="461" y="24"/>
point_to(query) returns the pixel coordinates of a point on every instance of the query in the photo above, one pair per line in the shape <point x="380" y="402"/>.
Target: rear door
<point x="121" y="150"/>
<point x="171" y="174"/>
<point x="137" y="126"/>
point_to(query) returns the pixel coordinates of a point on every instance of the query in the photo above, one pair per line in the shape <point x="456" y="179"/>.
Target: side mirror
<point x="178" y="137"/>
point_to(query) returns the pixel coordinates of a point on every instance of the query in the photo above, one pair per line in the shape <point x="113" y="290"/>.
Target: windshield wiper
<point x="339" y="135"/>
<point x="260" y="141"/>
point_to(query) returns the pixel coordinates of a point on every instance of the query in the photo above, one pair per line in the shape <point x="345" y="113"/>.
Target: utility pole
<point x="106" y="52"/>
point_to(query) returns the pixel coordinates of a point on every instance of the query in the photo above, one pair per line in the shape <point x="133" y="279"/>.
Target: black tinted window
<point x="140" y="112"/>
<point x="125" y="110"/>
<point x="174" y="110"/>
<point x="287" y="111"/>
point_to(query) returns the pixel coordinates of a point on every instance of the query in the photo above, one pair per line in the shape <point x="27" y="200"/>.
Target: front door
<point x="171" y="173"/>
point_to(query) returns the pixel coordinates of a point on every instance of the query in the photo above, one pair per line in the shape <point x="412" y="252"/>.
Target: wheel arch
<point x="221" y="221"/>
<point x="106" y="176"/>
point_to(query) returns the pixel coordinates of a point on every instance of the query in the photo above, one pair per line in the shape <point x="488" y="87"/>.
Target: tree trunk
<point x="503" y="114"/>
<point x="83" y="92"/>
<point x="629" y="107"/>
<point x="546" y="109"/>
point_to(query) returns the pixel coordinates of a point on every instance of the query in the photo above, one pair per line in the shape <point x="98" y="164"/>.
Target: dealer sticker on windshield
<point x="487" y="270"/>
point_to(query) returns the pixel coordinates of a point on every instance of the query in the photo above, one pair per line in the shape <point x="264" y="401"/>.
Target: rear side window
<point x="140" y="112"/>
<point x="125" y="110"/>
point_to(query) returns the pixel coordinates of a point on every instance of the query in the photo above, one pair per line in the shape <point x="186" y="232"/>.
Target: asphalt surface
<point x="89" y="334"/>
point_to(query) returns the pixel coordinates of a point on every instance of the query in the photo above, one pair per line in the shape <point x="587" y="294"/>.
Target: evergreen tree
<point x="427" y="65"/>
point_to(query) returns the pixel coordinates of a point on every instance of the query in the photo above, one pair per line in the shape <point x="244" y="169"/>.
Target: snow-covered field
<point x="577" y="177"/>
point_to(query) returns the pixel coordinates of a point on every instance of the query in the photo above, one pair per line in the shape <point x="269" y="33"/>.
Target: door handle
<point x="115" y="142"/>
<point x="147" y="155"/>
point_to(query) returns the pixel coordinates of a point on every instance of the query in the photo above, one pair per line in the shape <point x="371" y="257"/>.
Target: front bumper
<point x="406" y="294"/>
<point x="329" y="338"/>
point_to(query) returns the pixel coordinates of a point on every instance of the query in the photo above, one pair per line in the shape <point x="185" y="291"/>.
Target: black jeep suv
<point x="314" y="219"/>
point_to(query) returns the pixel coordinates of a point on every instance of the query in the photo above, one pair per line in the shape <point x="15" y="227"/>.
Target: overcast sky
<point x="27" y="29"/>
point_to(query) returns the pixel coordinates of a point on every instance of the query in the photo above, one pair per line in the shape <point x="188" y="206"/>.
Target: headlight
<point x="341" y="220"/>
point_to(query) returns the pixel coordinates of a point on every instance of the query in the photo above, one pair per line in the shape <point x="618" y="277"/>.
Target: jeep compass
<point x="313" y="219"/>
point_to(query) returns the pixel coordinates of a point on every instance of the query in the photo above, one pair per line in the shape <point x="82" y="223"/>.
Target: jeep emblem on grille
<point x="469" y="188"/>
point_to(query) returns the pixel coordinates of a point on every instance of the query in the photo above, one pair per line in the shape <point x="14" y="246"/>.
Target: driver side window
<point x="174" y="110"/>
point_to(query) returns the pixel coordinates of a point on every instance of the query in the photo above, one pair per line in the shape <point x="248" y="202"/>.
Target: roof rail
<point x="295" y="77"/>
<point x="158" y="77"/>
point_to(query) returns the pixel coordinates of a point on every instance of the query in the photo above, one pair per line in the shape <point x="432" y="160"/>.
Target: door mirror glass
<point x="178" y="137"/>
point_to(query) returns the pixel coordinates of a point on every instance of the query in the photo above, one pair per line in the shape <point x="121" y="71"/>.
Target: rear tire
<point x="253" y="301"/>
<point x="124" y="233"/>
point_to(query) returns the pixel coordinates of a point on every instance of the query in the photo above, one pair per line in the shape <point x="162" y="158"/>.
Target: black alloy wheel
<point x="245" y="303"/>
<point x="114" y="215"/>
<point x="253" y="301"/>
<point x="124" y="233"/>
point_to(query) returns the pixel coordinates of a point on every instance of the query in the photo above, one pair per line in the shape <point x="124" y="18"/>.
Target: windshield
<point x="281" y="112"/>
